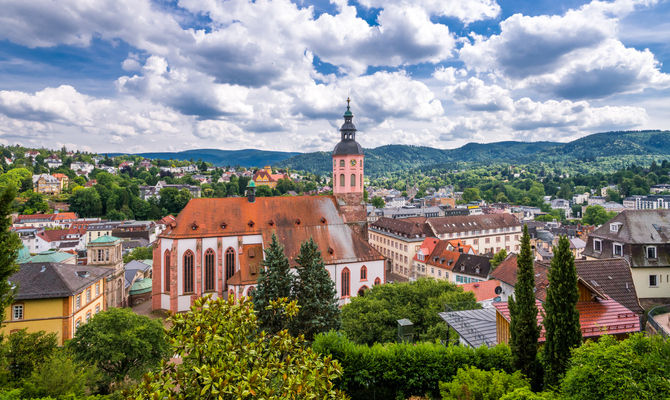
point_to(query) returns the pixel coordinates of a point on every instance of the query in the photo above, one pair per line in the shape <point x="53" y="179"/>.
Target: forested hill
<point x="589" y="148"/>
<point x="243" y="158"/>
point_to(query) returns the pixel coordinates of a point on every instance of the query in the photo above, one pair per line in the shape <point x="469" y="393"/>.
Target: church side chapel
<point x="216" y="246"/>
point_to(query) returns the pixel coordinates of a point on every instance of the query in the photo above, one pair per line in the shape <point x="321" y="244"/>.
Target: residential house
<point x="56" y="298"/>
<point x="486" y="292"/>
<point x="99" y="229"/>
<point x="398" y="240"/>
<point x="265" y="176"/>
<point x="147" y="192"/>
<point x="561" y="204"/>
<point x="487" y="233"/>
<point x="46" y="184"/>
<point x="63" y="180"/>
<point x="31" y="154"/>
<point x="642" y="237"/>
<point x="61" y="239"/>
<point x="450" y="260"/>
<point x="660" y="188"/>
<point x="53" y="161"/>
<point x="132" y="229"/>
<point x="82" y="167"/>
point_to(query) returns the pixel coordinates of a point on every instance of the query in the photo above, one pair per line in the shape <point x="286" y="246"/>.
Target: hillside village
<point x="92" y="256"/>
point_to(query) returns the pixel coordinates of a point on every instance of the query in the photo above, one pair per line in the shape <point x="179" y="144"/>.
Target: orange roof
<point x="427" y="247"/>
<point x="293" y="219"/>
<point x="53" y="235"/>
<point x="441" y="257"/>
<point x="59" y="176"/>
<point x="596" y="318"/>
<point x="457" y="243"/>
<point x="65" y="216"/>
<point x="485" y="290"/>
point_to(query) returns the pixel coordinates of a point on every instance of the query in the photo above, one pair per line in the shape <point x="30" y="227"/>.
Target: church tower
<point x="348" y="172"/>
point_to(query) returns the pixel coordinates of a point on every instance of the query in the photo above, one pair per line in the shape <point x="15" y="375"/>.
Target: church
<point x="216" y="246"/>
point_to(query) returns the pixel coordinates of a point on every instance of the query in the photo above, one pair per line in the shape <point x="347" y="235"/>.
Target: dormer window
<point x="614" y="226"/>
<point x="597" y="245"/>
<point x="618" y="249"/>
<point x="651" y="252"/>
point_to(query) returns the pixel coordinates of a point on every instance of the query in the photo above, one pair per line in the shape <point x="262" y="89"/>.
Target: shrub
<point x="473" y="383"/>
<point x="401" y="369"/>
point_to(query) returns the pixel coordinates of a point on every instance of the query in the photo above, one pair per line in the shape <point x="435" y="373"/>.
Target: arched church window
<point x="188" y="272"/>
<point x="353" y="180"/>
<point x="166" y="269"/>
<point x="345" y="282"/>
<point x="342" y="180"/>
<point x="209" y="270"/>
<point x="230" y="263"/>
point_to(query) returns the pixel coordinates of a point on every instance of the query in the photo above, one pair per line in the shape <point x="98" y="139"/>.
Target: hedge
<point x="400" y="370"/>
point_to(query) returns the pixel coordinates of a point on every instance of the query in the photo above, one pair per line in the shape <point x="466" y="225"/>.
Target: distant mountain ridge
<point x="396" y="157"/>
<point x="399" y="157"/>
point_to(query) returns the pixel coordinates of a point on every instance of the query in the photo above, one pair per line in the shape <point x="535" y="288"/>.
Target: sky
<point x="169" y="75"/>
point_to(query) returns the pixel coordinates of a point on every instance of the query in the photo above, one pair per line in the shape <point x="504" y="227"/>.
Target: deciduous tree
<point x="9" y="246"/>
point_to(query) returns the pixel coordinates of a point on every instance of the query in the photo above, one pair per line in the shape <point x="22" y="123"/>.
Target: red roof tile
<point x="485" y="290"/>
<point x="596" y="318"/>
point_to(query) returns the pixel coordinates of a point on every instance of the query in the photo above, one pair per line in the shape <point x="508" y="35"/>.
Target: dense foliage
<point x="122" y="344"/>
<point x="10" y="245"/>
<point x="635" y="368"/>
<point x="373" y="318"/>
<point x="224" y="355"/>
<point x="473" y="383"/>
<point x="561" y="319"/>
<point x="400" y="370"/>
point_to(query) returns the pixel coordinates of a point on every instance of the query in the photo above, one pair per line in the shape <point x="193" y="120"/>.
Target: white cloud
<point x="467" y="11"/>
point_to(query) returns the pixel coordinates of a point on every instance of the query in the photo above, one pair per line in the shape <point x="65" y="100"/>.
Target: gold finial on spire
<point x="348" y="100"/>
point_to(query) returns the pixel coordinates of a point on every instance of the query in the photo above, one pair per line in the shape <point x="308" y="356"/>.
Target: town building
<point x="265" y="177"/>
<point x="105" y="252"/>
<point x="642" y="237"/>
<point x="147" y="192"/>
<point x="449" y="260"/>
<point x="216" y="245"/>
<point x="399" y="240"/>
<point x="46" y="184"/>
<point x="55" y="297"/>
<point x="63" y="180"/>
<point x="651" y="202"/>
<point x="660" y="188"/>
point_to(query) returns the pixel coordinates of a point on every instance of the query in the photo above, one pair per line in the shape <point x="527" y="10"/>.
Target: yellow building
<point x="46" y="184"/>
<point x="55" y="297"/>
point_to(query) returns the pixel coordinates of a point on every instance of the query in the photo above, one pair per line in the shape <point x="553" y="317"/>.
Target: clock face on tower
<point x="353" y="163"/>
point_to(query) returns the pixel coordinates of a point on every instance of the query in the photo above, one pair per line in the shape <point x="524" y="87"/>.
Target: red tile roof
<point x="65" y="216"/>
<point x="596" y="318"/>
<point x="250" y="265"/>
<point x="293" y="219"/>
<point x="427" y="247"/>
<point x="485" y="290"/>
<point x="54" y="235"/>
<point x="460" y="223"/>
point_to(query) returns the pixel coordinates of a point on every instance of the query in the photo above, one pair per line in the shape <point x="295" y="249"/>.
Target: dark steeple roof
<point x="348" y="144"/>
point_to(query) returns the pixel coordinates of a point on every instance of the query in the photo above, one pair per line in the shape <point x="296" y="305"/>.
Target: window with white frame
<point x="597" y="245"/>
<point x="614" y="226"/>
<point x="618" y="249"/>
<point x="653" y="280"/>
<point x="97" y="308"/>
<point x="651" y="251"/>
<point x="17" y="311"/>
<point x="97" y="289"/>
<point x="77" y="302"/>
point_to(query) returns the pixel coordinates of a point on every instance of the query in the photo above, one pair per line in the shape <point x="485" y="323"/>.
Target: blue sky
<point x="139" y="75"/>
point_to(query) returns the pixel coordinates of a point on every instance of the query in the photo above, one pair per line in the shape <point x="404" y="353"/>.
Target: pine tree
<point x="9" y="246"/>
<point x="315" y="292"/>
<point x="561" y="320"/>
<point x="524" y="331"/>
<point x="275" y="281"/>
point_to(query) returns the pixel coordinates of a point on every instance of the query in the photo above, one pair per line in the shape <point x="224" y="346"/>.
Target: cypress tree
<point x="315" y="292"/>
<point x="9" y="246"/>
<point x="561" y="320"/>
<point x="274" y="282"/>
<point x="524" y="331"/>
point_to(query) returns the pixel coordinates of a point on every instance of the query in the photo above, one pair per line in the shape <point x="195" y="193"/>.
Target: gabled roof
<point x="596" y="318"/>
<point x="250" y="265"/>
<point x="485" y="290"/>
<point x="54" y="235"/>
<point x="293" y="219"/>
<point x="414" y="227"/>
<point x="54" y="280"/>
<point x="507" y="270"/>
<point x="49" y="256"/>
<point x="638" y="226"/>
<point x="460" y="223"/>
<point x="613" y="277"/>
<point x="469" y="264"/>
<point x="427" y="247"/>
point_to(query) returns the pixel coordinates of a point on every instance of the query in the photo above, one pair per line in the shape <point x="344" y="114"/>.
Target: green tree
<point x="24" y="351"/>
<point x="597" y="215"/>
<point x="35" y="203"/>
<point x="378" y="202"/>
<point x="524" y="331"/>
<point x="60" y="377"/>
<point x="635" y="368"/>
<point x="315" y="293"/>
<point x="86" y="202"/>
<point x="173" y="200"/>
<point x="9" y="246"/>
<point x="498" y="258"/>
<point x="372" y="318"/>
<point x="225" y="355"/>
<point x="561" y="320"/>
<point x="275" y="282"/>
<point x="139" y="253"/>
<point x="473" y="383"/>
<point x="120" y="343"/>
<point x="471" y="194"/>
